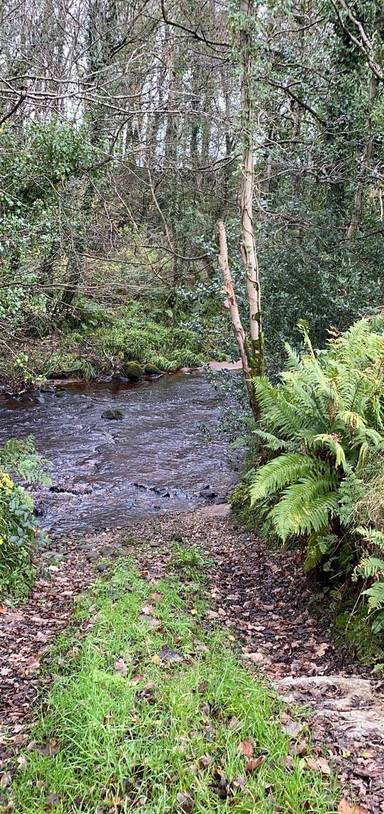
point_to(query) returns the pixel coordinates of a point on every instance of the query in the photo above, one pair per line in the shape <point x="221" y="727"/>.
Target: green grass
<point x="126" y="730"/>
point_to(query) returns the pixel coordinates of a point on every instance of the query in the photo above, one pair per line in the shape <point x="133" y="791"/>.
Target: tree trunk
<point x="231" y="304"/>
<point x="358" y="202"/>
<point x="248" y="248"/>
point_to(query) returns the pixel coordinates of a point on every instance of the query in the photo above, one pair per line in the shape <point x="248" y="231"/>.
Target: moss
<point x="132" y="370"/>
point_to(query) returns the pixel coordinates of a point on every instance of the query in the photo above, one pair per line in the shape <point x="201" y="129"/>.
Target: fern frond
<point x="330" y="442"/>
<point x="274" y="475"/>
<point x="272" y="442"/>
<point x="375" y="596"/>
<point x="370" y="567"/>
<point x="372" y="536"/>
<point x="305" y="507"/>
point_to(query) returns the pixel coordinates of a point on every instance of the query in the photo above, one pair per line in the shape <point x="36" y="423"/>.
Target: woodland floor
<point x="262" y="600"/>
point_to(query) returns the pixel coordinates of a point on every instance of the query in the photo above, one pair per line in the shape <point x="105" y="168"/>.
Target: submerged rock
<point x="113" y="415"/>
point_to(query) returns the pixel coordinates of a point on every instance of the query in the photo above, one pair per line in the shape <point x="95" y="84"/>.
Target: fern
<point x="322" y="423"/>
<point x="304" y="508"/>
<point x="275" y="474"/>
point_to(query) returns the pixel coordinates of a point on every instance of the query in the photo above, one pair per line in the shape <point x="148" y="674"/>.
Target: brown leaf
<point x="345" y="807"/>
<point x="205" y="761"/>
<point x="184" y="802"/>
<point x="48" y="749"/>
<point x="121" y="667"/>
<point x="292" y="728"/>
<point x="148" y="610"/>
<point x="32" y="664"/>
<point x="254" y="763"/>
<point x="245" y="748"/>
<point x="156" y="596"/>
<point x="52" y="800"/>
<point x="136" y="679"/>
<point x="5" y="780"/>
<point x="318" y="764"/>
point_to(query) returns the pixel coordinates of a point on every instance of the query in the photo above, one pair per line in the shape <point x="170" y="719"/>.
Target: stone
<point x="132" y="370"/>
<point x="151" y="370"/>
<point x="113" y="415"/>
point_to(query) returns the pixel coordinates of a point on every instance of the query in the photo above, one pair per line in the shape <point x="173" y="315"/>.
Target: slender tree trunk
<point x="231" y="304"/>
<point x="248" y="247"/>
<point x="358" y="202"/>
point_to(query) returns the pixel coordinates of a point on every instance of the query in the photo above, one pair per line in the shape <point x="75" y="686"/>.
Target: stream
<point x="161" y="452"/>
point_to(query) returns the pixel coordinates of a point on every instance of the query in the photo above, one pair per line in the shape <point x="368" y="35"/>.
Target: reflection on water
<point x="160" y="455"/>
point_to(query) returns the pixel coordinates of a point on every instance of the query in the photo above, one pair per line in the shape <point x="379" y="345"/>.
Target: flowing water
<point x="163" y="452"/>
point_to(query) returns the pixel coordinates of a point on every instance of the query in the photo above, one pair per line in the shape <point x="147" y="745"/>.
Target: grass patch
<point x="148" y="714"/>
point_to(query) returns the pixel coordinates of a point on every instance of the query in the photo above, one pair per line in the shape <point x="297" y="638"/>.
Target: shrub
<point x="17" y="522"/>
<point x="17" y="532"/>
<point x="322" y="424"/>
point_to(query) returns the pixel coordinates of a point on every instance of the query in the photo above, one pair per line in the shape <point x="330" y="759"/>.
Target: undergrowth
<point x="153" y="713"/>
<point x="100" y="340"/>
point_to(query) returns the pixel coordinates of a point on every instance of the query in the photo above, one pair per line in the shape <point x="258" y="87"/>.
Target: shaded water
<point x="160" y="456"/>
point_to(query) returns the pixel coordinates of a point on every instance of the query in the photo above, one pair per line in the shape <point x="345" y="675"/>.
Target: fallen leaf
<point x="5" y="780"/>
<point x="292" y="728"/>
<point x="136" y="679"/>
<point x="52" y="800"/>
<point x="121" y="667"/>
<point x="193" y="612"/>
<point x="345" y="807"/>
<point x="184" y="802"/>
<point x="322" y="649"/>
<point x="239" y="783"/>
<point x="254" y="763"/>
<point x="147" y="610"/>
<point x="48" y="749"/>
<point x="245" y="748"/>
<point x="32" y="664"/>
<point x="156" y="596"/>
<point x="318" y="764"/>
<point x="156" y="659"/>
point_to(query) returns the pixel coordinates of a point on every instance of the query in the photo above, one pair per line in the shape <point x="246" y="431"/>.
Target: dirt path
<point x="260" y="596"/>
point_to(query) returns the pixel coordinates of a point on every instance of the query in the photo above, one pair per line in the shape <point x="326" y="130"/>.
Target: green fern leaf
<point x="274" y="475"/>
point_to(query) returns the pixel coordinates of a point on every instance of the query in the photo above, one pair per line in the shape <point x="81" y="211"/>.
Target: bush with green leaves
<point x="320" y="427"/>
<point x="18" y="527"/>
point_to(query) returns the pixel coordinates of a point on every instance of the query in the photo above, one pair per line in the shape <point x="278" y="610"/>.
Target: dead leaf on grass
<point x="32" y="664"/>
<point x="254" y="763"/>
<point x="48" y="749"/>
<point x="121" y="667"/>
<point x="318" y="764"/>
<point x="245" y="748"/>
<point x="156" y="596"/>
<point x="148" y="610"/>
<point x="137" y="679"/>
<point x="205" y="761"/>
<point x="346" y="807"/>
<point x="5" y="780"/>
<point x="184" y="802"/>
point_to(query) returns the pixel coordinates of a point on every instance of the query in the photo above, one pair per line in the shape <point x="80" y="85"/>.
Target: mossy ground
<point x="152" y="712"/>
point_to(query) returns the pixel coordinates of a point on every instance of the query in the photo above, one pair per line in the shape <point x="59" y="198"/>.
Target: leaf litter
<point x="257" y="595"/>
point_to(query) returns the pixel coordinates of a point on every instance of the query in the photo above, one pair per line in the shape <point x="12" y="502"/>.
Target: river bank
<point x="126" y="343"/>
<point x="253" y="595"/>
